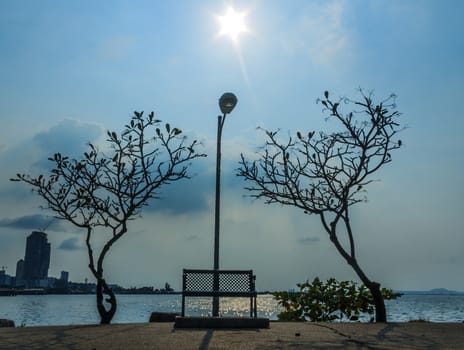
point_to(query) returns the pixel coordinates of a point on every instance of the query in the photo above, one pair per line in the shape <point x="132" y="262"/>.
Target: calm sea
<point x="42" y="310"/>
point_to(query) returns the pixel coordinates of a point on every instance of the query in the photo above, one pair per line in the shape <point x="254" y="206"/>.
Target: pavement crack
<point x="348" y="338"/>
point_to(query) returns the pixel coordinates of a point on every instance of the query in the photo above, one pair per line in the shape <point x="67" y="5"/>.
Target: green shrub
<point x="326" y="302"/>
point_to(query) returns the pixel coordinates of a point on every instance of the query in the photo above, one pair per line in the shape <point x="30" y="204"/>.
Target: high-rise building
<point x="37" y="258"/>
<point x="64" y="276"/>
<point x="20" y="273"/>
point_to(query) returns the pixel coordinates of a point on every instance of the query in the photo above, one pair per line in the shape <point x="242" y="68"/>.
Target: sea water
<point x="46" y="310"/>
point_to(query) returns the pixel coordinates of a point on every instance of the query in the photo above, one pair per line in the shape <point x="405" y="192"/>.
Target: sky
<point x="70" y="70"/>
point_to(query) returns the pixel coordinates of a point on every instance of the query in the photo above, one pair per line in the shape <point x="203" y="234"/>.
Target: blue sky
<point x="71" y="70"/>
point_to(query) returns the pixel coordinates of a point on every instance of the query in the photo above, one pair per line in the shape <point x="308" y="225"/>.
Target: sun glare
<point x="232" y="24"/>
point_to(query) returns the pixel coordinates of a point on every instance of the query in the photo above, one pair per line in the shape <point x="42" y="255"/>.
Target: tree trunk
<point x="374" y="287"/>
<point x="380" y="311"/>
<point x="102" y="289"/>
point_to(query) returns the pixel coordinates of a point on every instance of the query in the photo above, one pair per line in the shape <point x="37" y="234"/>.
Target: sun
<point x="232" y="24"/>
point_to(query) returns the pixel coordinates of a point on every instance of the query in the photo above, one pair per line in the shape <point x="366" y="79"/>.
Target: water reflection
<point x="434" y="308"/>
<point x="31" y="309"/>
<point x="35" y="310"/>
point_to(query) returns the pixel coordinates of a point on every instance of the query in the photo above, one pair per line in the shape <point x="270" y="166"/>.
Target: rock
<point x="163" y="316"/>
<point x="6" y="323"/>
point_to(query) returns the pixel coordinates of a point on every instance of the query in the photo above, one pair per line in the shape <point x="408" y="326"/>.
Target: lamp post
<point x="227" y="103"/>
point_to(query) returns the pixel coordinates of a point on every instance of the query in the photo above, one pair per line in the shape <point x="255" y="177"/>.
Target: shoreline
<point x="280" y="335"/>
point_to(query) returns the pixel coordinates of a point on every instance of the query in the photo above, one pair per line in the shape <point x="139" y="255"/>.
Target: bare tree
<point x="103" y="191"/>
<point x="326" y="174"/>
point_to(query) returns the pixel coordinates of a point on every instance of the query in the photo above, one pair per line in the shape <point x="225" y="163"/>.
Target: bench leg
<point x="183" y="305"/>
<point x="255" y="308"/>
<point x="251" y="307"/>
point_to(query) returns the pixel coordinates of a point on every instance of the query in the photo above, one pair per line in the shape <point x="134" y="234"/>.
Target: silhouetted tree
<point x="325" y="174"/>
<point x="103" y="191"/>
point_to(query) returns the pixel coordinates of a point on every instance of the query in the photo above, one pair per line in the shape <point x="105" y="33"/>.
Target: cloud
<point x="70" y="137"/>
<point x="72" y="243"/>
<point x="33" y="222"/>
<point x="197" y="194"/>
<point x="184" y="196"/>
<point x="319" y="33"/>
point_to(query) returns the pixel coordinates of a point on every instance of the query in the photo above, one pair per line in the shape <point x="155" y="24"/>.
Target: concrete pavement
<point x="280" y="335"/>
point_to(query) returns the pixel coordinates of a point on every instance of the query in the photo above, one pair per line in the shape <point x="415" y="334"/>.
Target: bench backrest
<point x="229" y="280"/>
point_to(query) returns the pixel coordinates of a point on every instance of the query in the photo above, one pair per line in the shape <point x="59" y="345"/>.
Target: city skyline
<point x="48" y="282"/>
<point x="71" y="71"/>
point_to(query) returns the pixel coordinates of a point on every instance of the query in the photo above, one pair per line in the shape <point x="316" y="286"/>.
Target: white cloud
<point x="319" y="33"/>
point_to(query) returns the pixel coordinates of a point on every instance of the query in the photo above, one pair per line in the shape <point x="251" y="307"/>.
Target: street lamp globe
<point x="227" y="102"/>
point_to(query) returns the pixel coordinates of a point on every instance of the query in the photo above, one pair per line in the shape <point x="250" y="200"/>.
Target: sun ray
<point x="233" y="24"/>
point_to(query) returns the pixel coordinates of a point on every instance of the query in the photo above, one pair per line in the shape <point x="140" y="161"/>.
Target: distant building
<point x="37" y="258"/>
<point x="20" y="273"/>
<point x="5" y="279"/>
<point x="64" y="276"/>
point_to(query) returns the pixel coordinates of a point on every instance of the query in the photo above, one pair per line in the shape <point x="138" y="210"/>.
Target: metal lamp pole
<point x="227" y="103"/>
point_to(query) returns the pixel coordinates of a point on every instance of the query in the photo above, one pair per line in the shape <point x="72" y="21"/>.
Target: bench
<point x="219" y="283"/>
